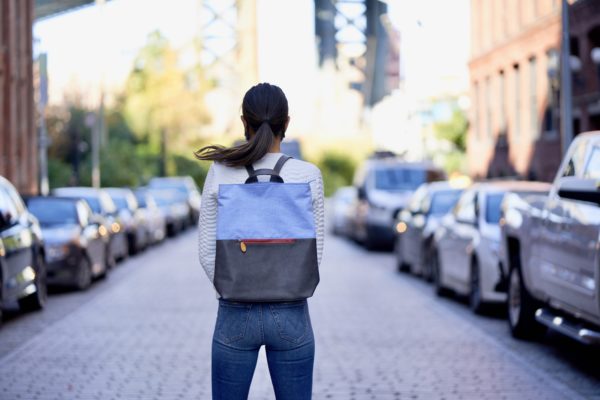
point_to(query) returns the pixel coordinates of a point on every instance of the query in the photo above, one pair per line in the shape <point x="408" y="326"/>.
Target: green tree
<point x="163" y="103"/>
<point x="337" y="170"/>
<point x="454" y="131"/>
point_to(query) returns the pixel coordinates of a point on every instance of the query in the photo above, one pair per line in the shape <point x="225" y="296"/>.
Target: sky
<point x="93" y="45"/>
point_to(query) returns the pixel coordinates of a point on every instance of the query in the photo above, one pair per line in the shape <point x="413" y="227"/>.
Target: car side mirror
<point x="5" y="219"/>
<point x="580" y="189"/>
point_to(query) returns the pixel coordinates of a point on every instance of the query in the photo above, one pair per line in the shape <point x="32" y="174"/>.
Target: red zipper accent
<point x="268" y="241"/>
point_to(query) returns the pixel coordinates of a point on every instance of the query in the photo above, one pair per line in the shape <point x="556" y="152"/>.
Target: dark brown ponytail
<point x="265" y="110"/>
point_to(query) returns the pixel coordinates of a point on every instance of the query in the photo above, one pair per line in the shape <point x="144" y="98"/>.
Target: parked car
<point x="153" y="217"/>
<point x="417" y="223"/>
<point x="342" y="205"/>
<point x="184" y="189"/>
<point x="384" y="186"/>
<point x="22" y="265"/>
<point x="292" y="148"/>
<point x="176" y="211"/>
<point x="77" y="246"/>
<point x="551" y="249"/>
<point x="106" y="213"/>
<point x="466" y="244"/>
<point x="131" y="217"/>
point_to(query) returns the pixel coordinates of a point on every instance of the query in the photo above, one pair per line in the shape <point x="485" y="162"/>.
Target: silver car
<point x="467" y="242"/>
<point x="342" y="205"/>
<point x="417" y="223"/>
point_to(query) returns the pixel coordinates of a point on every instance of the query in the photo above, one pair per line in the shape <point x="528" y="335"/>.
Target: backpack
<point x="266" y="239"/>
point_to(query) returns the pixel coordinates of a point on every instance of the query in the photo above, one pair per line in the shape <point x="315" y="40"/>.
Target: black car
<point x="384" y="185"/>
<point x="416" y="225"/>
<point x="104" y="210"/>
<point x="22" y="266"/>
<point x="77" y="245"/>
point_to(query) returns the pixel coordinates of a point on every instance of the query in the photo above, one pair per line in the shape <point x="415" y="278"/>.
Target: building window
<point x="549" y="122"/>
<point x="517" y="100"/>
<point x="476" y="110"/>
<point x="488" y="109"/>
<point x="533" y="117"/>
<point x="501" y="103"/>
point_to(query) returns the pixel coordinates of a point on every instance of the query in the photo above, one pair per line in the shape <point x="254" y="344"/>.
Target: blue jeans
<point x="242" y="328"/>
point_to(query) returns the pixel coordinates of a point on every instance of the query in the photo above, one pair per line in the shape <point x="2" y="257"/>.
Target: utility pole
<point x="163" y="152"/>
<point x="98" y="129"/>
<point x="566" y="89"/>
<point x="43" y="141"/>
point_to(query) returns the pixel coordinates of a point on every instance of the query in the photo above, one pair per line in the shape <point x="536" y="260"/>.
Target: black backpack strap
<point x="282" y="160"/>
<point x="274" y="173"/>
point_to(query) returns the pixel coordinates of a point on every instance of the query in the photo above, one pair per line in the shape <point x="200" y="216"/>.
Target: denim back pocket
<point x="232" y="321"/>
<point x="291" y="320"/>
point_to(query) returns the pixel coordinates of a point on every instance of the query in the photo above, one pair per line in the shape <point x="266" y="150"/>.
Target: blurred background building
<point x="515" y="71"/>
<point x="360" y="75"/>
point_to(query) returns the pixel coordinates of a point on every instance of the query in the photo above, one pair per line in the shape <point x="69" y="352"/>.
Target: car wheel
<point x="36" y="301"/>
<point x="109" y="258"/>
<point x="521" y="308"/>
<point x="401" y="265"/>
<point x="1" y="303"/>
<point x="436" y="273"/>
<point x="369" y="242"/>
<point x="475" y="301"/>
<point x="427" y="258"/>
<point x="84" y="274"/>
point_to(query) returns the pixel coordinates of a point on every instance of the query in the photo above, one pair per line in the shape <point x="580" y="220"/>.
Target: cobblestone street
<point x="145" y="333"/>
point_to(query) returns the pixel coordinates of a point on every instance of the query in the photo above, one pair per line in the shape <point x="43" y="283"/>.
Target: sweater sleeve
<point x="319" y="213"/>
<point x="207" y="225"/>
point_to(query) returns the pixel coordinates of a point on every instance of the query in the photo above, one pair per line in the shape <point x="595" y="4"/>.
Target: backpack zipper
<point x="245" y="242"/>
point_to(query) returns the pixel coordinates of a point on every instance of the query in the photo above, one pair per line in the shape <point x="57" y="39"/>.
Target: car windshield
<point x="492" y="208"/>
<point x="94" y="204"/>
<point x="397" y="179"/>
<point x="54" y="211"/>
<point x="179" y="186"/>
<point x="141" y="199"/>
<point x="120" y="202"/>
<point x="443" y="202"/>
<point x="162" y="199"/>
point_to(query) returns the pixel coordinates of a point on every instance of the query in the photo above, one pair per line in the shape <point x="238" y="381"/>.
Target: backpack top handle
<point x="274" y="173"/>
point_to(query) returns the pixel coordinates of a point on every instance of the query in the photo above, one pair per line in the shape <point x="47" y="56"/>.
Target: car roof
<point x="592" y="135"/>
<point x="78" y="190"/>
<point x="117" y="190"/>
<point x="443" y="185"/>
<point x="53" y="198"/>
<point x="394" y="161"/>
<point x="512" y="186"/>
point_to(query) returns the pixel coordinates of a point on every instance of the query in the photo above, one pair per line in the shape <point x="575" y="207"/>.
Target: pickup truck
<point x="550" y="250"/>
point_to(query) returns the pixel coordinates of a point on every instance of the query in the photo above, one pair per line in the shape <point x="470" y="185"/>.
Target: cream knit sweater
<point x="293" y="171"/>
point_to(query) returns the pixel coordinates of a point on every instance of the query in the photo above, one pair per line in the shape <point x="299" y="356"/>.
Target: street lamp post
<point x="566" y="89"/>
<point x="595" y="55"/>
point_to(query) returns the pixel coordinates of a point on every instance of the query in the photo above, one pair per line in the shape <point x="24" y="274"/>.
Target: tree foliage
<point x="337" y="169"/>
<point x="160" y="96"/>
<point x="454" y="130"/>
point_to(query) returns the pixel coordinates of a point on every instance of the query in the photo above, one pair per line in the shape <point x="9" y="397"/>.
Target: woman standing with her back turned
<point x="243" y="325"/>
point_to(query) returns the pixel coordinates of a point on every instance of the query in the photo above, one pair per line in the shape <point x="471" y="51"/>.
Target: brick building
<point x="514" y="73"/>
<point x="18" y="144"/>
<point x="18" y="136"/>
